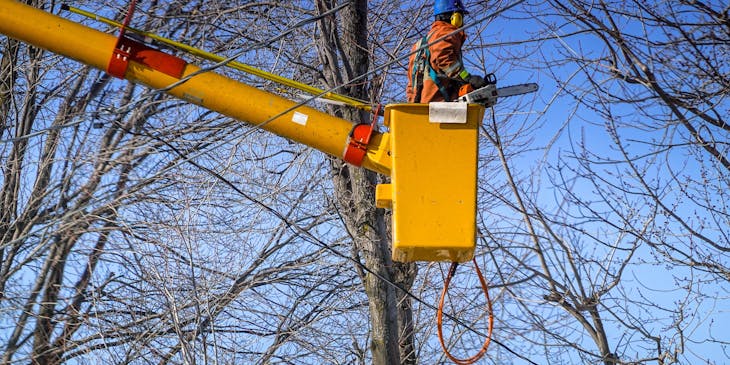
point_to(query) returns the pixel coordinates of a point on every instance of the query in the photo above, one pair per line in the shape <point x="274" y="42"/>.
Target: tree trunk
<point x="390" y="310"/>
<point x="367" y="225"/>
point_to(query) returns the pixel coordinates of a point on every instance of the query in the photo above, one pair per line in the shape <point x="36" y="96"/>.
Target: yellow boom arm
<point x="158" y="70"/>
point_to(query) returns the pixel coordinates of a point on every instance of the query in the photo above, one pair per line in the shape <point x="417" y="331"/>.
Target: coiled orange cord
<point x="440" y="312"/>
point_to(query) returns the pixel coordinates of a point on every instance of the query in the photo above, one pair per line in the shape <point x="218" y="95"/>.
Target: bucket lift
<point x="430" y="151"/>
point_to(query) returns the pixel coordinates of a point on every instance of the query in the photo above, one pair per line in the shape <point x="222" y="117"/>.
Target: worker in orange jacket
<point x="436" y="72"/>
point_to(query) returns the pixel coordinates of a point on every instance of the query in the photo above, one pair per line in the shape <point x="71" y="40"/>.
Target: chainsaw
<point x="488" y="95"/>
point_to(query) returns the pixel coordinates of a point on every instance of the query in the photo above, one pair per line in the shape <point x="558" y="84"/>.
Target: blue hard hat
<point x="448" y="6"/>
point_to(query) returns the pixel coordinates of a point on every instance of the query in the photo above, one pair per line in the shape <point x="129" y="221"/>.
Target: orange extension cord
<point x="440" y="312"/>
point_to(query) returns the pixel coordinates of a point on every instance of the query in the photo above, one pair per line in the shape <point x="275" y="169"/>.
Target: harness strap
<point x="418" y="65"/>
<point x="436" y="80"/>
<point x="423" y="63"/>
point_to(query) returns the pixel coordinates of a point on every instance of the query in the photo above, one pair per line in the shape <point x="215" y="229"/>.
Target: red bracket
<point x="128" y="49"/>
<point x="357" y="147"/>
<point x="120" y="56"/>
<point x="120" y="60"/>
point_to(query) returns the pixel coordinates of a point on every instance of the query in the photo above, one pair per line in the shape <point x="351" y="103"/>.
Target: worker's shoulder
<point x="441" y="29"/>
<point x="441" y="26"/>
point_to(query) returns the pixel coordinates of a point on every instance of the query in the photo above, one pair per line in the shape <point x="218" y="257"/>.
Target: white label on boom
<point x="299" y="118"/>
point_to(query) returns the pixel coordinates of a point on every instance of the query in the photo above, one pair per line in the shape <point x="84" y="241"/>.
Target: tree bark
<point x="390" y="310"/>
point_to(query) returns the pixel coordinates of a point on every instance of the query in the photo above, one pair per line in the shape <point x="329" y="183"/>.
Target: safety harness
<point x="422" y="66"/>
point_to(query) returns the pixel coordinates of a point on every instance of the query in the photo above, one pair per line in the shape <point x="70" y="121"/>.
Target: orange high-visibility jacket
<point x="445" y="60"/>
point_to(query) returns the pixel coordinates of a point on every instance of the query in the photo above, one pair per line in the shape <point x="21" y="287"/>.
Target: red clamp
<point x="120" y="59"/>
<point x="128" y="49"/>
<point x="121" y="54"/>
<point x="357" y="146"/>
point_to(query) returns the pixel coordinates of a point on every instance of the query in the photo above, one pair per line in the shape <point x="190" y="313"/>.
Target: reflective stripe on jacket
<point x="445" y="60"/>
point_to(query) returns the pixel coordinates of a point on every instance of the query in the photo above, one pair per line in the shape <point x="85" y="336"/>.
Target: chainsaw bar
<point x="488" y="95"/>
<point x="516" y="90"/>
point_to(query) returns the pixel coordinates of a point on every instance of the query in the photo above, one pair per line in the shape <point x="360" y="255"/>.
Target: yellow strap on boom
<point x="357" y="103"/>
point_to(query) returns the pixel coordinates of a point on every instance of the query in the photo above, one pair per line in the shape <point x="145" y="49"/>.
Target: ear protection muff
<point x="457" y="19"/>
